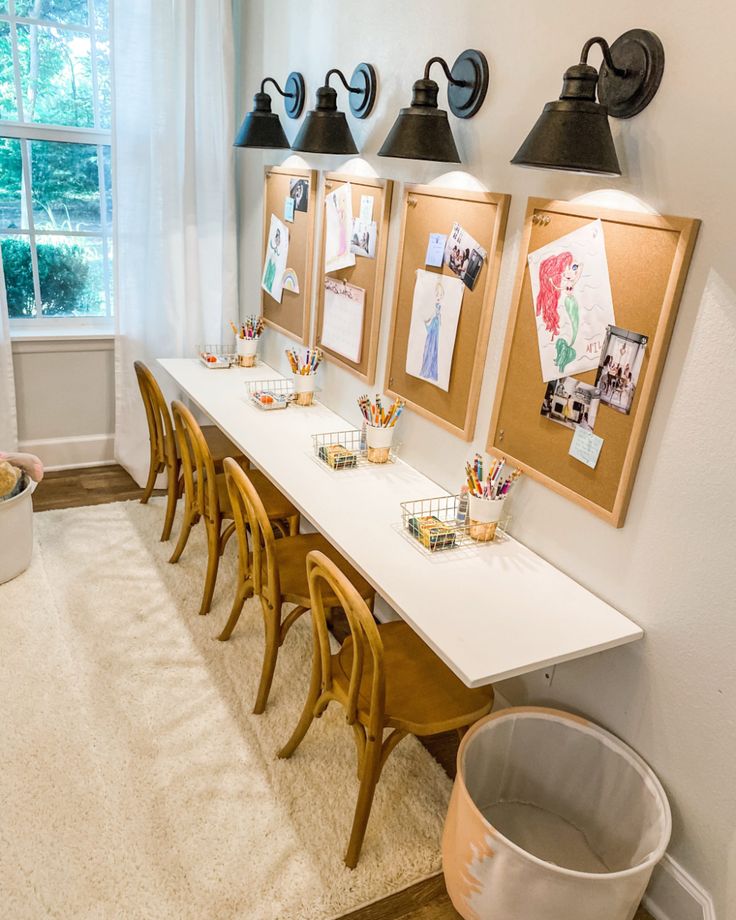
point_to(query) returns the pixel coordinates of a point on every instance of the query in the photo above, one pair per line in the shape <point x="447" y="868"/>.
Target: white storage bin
<point x="551" y="818"/>
<point x="16" y="533"/>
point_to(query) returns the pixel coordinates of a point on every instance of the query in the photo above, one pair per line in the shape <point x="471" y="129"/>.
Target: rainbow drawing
<point x="290" y="282"/>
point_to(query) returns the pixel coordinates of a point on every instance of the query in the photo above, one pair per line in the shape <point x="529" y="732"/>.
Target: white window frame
<point x="101" y="137"/>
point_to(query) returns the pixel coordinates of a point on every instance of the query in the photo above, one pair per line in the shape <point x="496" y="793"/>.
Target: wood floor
<point x="427" y="900"/>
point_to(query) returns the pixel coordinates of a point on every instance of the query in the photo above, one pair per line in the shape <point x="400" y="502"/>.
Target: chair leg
<point x="370" y="771"/>
<point x="213" y="564"/>
<point x="153" y="471"/>
<point x="245" y="590"/>
<point x="307" y="716"/>
<point x="271" y="617"/>
<point x="190" y="519"/>
<point x="293" y="523"/>
<point x="172" y="496"/>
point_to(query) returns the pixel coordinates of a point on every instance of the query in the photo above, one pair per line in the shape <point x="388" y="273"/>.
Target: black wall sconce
<point x="422" y="132"/>
<point x="573" y="132"/>
<point x="325" y="129"/>
<point x="261" y="127"/>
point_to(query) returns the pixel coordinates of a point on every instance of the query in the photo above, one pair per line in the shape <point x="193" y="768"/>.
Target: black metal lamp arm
<point x="278" y="88"/>
<point x="607" y="57"/>
<point x="443" y="63"/>
<point x="348" y="87"/>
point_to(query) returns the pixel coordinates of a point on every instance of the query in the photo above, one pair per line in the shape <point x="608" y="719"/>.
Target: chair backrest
<point x="324" y="574"/>
<point x="247" y="507"/>
<point x="198" y="467"/>
<point x="160" y="427"/>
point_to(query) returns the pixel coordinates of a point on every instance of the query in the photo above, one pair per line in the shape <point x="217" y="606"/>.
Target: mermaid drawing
<point x="558" y="276"/>
<point x="273" y="245"/>
<point x="429" y="369"/>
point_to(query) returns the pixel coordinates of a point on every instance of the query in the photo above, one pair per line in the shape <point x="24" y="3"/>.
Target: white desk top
<point x="490" y="612"/>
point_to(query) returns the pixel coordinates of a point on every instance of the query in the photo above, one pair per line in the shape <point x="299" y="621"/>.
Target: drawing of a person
<point x="432" y="343"/>
<point x="273" y="245"/>
<point x="558" y="276"/>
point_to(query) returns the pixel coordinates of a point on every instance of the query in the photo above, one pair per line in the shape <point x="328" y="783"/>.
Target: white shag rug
<point x="135" y="781"/>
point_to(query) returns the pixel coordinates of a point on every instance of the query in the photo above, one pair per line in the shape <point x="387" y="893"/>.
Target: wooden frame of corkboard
<point x="648" y="258"/>
<point x="429" y="209"/>
<point x="366" y="273"/>
<point x="292" y="315"/>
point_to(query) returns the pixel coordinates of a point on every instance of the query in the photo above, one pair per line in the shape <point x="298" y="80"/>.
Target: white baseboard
<point x="673" y="894"/>
<point x="72" y="453"/>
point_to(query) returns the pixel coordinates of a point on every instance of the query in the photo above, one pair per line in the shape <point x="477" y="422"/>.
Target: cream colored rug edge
<point x="137" y="775"/>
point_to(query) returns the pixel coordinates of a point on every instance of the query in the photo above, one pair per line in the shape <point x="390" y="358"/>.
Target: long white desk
<point x="490" y="613"/>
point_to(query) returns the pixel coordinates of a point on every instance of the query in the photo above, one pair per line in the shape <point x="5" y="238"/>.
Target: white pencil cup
<point x="247" y="349"/>
<point x="378" y="442"/>
<point x="483" y="517"/>
<point x="304" y="387"/>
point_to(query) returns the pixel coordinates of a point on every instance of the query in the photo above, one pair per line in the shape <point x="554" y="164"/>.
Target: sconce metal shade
<point x="261" y="127"/>
<point x="572" y="133"/>
<point x="422" y="131"/>
<point x="325" y="129"/>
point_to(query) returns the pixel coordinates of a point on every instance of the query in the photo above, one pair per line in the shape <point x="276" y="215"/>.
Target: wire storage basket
<point x="216" y="357"/>
<point x="344" y="450"/>
<point x="443" y="523"/>
<point x="271" y="394"/>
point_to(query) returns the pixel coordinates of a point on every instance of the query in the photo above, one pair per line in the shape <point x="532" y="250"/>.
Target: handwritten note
<point x="586" y="447"/>
<point x="436" y="250"/>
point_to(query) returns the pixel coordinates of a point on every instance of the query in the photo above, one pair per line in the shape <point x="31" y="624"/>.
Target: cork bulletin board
<point x="429" y="209"/>
<point x="292" y="315"/>
<point x="648" y="258"/>
<point x="366" y="273"/>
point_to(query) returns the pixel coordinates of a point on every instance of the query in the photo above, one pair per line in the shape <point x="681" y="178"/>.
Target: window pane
<point x="71" y="276"/>
<point x="12" y="213"/>
<point x="60" y="93"/>
<point x="3" y="6"/>
<point x="66" y="186"/>
<point x="106" y="165"/>
<point x="16" y="253"/>
<point x="102" y="17"/>
<point x="72" y="11"/>
<point x="103" y="83"/>
<point x="8" y="104"/>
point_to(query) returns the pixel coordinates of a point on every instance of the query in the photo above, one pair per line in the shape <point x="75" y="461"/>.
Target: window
<point x="55" y="175"/>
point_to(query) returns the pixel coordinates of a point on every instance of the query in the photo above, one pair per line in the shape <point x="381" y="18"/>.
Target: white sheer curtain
<point x="8" y="417"/>
<point x="176" y="256"/>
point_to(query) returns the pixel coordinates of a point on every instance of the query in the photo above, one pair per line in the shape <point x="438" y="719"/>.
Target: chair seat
<point x="221" y="446"/>
<point x="278" y="507"/>
<point x="423" y="696"/>
<point x="291" y="559"/>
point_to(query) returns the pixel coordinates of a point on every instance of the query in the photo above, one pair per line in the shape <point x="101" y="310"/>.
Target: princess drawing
<point x="273" y="245"/>
<point x="431" y="346"/>
<point x="558" y="276"/>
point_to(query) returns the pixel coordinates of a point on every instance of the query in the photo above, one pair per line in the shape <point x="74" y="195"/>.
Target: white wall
<point x="671" y="568"/>
<point x="65" y="399"/>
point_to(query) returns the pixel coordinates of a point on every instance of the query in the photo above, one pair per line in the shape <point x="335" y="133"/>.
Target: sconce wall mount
<point x="325" y="129"/>
<point x="261" y="127"/>
<point x="573" y="132"/>
<point x="422" y="131"/>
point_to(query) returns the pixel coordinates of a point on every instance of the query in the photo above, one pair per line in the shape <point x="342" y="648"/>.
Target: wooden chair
<point x="276" y="571"/>
<point x="206" y="496"/>
<point x="164" y="454"/>
<point x="385" y="677"/>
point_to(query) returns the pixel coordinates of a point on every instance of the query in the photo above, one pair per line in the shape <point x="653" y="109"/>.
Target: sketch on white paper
<point x="338" y="225"/>
<point x="277" y="252"/>
<point x="342" y="318"/>
<point x="573" y="305"/>
<point x="435" y="313"/>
